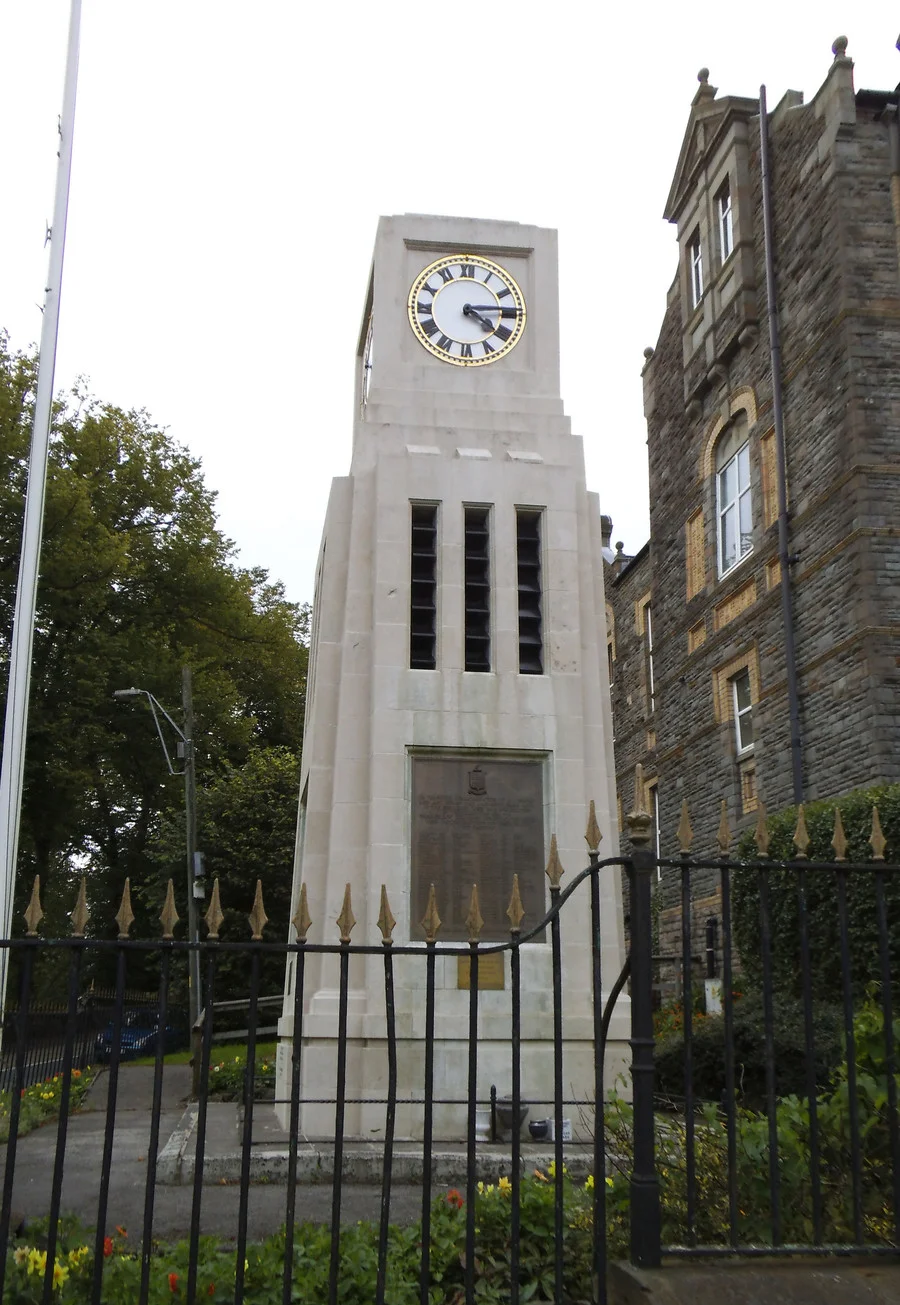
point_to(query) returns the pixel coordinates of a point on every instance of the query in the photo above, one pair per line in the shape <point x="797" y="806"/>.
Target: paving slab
<point x="795" y="1281"/>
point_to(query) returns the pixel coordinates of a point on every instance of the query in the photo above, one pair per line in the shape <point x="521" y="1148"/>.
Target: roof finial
<point x="703" y="76"/>
<point x="839" y="47"/>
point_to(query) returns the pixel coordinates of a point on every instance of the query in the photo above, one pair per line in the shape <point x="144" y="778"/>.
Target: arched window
<point x="734" y="510"/>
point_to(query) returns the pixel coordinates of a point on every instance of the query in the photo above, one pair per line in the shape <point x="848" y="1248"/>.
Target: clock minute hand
<point x="495" y="308"/>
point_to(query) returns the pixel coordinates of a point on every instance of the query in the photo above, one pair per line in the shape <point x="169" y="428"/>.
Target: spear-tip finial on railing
<point x="592" y="834"/>
<point x="346" y="920"/>
<point x="81" y="914"/>
<point x="639" y="820"/>
<point x="431" y="921"/>
<point x="168" y="915"/>
<point x="257" y="917"/>
<point x="554" y="870"/>
<point x="515" y="912"/>
<point x="302" y="919"/>
<point x="215" y="916"/>
<point x="33" y="913"/>
<point x="839" y="838"/>
<point x="761" y="832"/>
<point x="684" y="833"/>
<point x="801" y="835"/>
<point x="474" y="919"/>
<point x="878" y="841"/>
<point x="723" y="834"/>
<point x="125" y="916"/>
<point x="386" y="919"/>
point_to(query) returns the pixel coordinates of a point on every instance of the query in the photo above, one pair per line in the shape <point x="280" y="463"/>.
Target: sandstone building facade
<point x="702" y="619"/>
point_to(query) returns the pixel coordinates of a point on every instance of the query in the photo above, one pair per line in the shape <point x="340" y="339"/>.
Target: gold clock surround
<point x="497" y="320"/>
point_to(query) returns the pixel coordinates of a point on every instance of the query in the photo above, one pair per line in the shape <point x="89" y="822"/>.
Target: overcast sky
<point x="231" y="161"/>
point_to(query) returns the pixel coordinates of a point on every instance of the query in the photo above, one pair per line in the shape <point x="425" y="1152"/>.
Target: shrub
<point x="822" y="912"/>
<point x="228" y="1072"/>
<point x="708" y="1051"/>
<point x="40" y="1102"/>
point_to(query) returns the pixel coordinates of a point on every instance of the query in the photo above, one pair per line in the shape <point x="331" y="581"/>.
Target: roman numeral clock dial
<point x="466" y="310"/>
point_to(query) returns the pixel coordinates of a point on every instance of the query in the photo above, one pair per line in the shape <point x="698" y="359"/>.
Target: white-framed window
<point x="742" y="705"/>
<point x="651" y="686"/>
<point x="654" y="811"/>
<point x="734" y="508"/>
<point x="725" y="221"/>
<point x="695" y="268"/>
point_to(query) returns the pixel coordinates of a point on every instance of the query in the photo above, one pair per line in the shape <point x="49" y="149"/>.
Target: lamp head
<point x="127" y="693"/>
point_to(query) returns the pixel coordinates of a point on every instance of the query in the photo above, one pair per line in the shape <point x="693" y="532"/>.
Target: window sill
<point x="736" y="566"/>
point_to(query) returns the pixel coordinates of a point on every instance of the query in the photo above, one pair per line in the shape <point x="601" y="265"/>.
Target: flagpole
<point x="12" y="767"/>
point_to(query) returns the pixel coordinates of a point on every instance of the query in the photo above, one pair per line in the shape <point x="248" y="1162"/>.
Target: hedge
<point x="821" y="896"/>
<point x="708" y="1052"/>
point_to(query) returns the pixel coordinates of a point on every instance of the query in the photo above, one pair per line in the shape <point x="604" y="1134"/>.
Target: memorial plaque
<point x="477" y="820"/>
<point x="491" y="972"/>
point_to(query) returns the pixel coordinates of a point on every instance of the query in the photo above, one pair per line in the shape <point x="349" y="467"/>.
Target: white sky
<point x="231" y="161"/>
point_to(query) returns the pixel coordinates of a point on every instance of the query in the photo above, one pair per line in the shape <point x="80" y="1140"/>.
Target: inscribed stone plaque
<point x="477" y="820"/>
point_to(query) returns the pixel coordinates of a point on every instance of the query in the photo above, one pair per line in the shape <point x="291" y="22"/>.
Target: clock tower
<point x="458" y="703"/>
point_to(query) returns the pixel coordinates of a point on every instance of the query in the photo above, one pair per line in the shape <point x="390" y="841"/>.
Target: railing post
<point x="645" y="1211"/>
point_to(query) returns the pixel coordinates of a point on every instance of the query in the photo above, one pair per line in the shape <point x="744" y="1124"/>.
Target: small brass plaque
<point x="491" y="973"/>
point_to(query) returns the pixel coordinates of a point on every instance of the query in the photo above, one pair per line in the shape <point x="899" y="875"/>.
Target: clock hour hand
<point x="469" y="311"/>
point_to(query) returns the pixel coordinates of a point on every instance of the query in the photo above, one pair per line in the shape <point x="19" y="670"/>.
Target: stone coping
<point x="361" y="1162"/>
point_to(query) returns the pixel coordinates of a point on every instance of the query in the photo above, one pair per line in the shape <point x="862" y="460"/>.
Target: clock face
<point x="466" y="310"/>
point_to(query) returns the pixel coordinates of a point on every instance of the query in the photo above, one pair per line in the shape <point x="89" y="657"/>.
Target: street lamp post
<point x="185" y="751"/>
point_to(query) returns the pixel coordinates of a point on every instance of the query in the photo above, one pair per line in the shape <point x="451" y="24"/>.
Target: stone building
<point x="755" y="642"/>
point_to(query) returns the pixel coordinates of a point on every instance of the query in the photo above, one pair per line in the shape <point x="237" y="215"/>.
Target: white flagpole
<point x="15" y="725"/>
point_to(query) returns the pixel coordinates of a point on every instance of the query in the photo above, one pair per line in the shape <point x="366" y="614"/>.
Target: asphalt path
<point x="36" y="1154"/>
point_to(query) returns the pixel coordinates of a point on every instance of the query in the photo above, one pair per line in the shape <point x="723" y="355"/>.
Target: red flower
<point x="454" y="1199"/>
<point x="211" y="1289"/>
<point x="173" y="1282"/>
<point x="107" y="1247"/>
<point x="123" y="1232"/>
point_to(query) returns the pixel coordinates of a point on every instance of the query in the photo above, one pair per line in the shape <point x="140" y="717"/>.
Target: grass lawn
<point x="227" y="1051"/>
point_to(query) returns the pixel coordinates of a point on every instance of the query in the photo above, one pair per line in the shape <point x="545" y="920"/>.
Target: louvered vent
<point x="528" y="554"/>
<point x="423" y="588"/>
<point x="478" y="590"/>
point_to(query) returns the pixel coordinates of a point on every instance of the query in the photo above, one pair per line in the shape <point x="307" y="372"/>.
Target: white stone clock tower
<point x="458" y="707"/>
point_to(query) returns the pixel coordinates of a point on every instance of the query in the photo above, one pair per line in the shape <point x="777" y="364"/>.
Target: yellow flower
<point x="481" y="1189"/>
<point x="589" y="1183"/>
<point x="551" y="1169"/>
<point x="505" y="1185"/>
<point x="59" y="1274"/>
<point x="37" y="1261"/>
<point x="609" y="1181"/>
<point x="20" y="1255"/>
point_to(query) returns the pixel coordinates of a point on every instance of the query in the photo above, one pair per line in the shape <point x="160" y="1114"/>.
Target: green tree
<point x="137" y="580"/>
<point x="247" y="819"/>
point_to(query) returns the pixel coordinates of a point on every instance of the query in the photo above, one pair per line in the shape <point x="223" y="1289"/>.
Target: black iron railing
<point x="702" y="1210"/>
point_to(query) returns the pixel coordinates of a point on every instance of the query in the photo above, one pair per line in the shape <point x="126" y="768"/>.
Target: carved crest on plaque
<point x="477" y="782"/>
